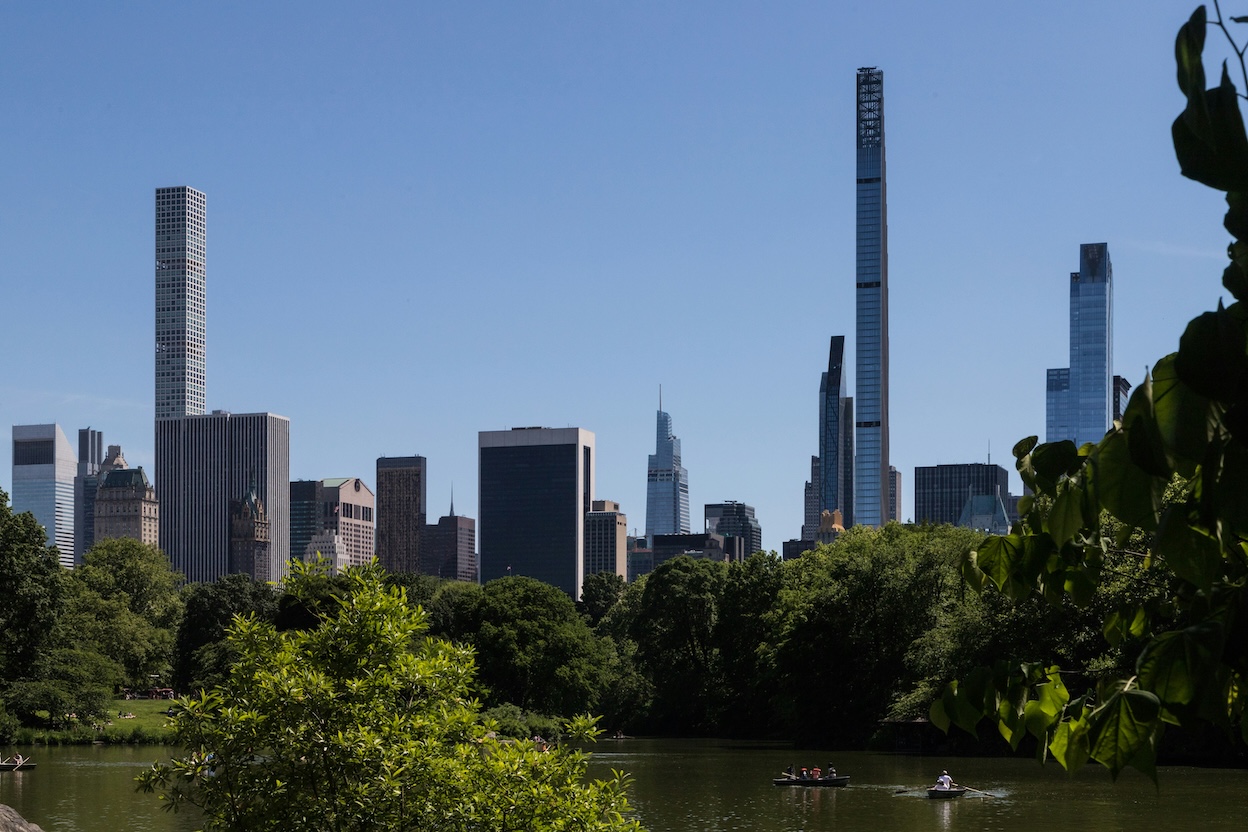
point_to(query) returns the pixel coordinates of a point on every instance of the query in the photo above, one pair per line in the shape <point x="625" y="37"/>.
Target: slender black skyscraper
<point x="831" y="485"/>
<point x="871" y="342"/>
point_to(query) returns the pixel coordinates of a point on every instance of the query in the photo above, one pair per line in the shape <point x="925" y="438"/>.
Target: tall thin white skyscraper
<point x="871" y="335"/>
<point x="180" y="302"/>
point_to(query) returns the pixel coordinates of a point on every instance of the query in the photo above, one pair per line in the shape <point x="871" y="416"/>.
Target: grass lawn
<point x="147" y="726"/>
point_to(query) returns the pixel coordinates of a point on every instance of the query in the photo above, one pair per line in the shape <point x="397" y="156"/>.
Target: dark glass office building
<point x="733" y="519"/>
<point x="535" y="487"/>
<point x="871" y="332"/>
<point x="941" y="491"/>
<point x="401" y="512"/>
<point x="831" y="485"/>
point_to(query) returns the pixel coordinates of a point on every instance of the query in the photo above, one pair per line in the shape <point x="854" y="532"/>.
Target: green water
<point x="721" y="786"/>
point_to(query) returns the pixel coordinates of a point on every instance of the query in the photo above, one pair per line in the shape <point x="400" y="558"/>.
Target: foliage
<point x="364" y="723"/>
<point x="534" y="650"/>
<point x="30" y="593"/>
<point x="202" y="657"/>
<point x="599" y="594"/>
<point x="1184" y="433"/>
<point x="511" y="721"/>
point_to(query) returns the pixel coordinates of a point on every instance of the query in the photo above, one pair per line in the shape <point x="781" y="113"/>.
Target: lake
<point x="717" y="786"/>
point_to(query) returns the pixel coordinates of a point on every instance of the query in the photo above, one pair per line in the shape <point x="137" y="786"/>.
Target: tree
<point x="534" y="650"/>
<point x="31" y="593"/>
<point x="1185" y="430"/>
<point x="201" y="655"/>
<point x="364" y="723"/>
<point x="599" y="594"/>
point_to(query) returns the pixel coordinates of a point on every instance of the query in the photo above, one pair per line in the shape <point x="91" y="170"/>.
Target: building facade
<point x="347" y="507"/>
<point x="205" y="462"/>
<point x="941" y="491"/>
<point x="831" y="485"/>
<point x="449" y="548"/>
<point x="401" y="501"/>
<point x="667" y="483"/>
<point x="606" y="539"/>
<point x="1080" y="399"/>
<point x="181" y="295"/>
<point x="305" y="516"/>
<point x="86" y="483"/>
<point x="733" y="519"/>
<point x="250" y="533"/>
<point x="709" y="546"/>
<point x="894" y="495"/>
<point x="44" y="468"/>
<point x="871" y="330"/>
<point x="125" y="506"/>
<point x="535" y="486"/>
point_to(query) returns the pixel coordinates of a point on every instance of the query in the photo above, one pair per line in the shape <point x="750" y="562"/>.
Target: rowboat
<point x="946" y="794"/>
<point x="838" y="780"/>
<point x="25" y="766"/>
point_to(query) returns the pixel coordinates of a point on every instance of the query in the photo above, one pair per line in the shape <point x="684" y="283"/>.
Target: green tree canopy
<point x="31" y="593"/>
<point x="364" y="723"/>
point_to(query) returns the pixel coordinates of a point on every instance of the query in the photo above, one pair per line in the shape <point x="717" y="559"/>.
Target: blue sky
<point x="430" y="219"/>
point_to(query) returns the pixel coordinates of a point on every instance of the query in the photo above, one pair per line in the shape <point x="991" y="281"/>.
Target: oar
<point x="978" y="791"/>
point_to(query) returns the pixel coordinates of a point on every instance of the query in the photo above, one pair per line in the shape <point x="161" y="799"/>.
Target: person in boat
<point x="831" y="771"/>
<point x="944" y="782"/>
<point x="789" y="772"/>
<point x="805" y="774"/>
<point x="817" y="773"/>
<point x="19" y="759"/>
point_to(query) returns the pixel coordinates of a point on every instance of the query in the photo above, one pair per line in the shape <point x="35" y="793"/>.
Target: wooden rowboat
<point x="946" y="794"/>
<point x="837" y="781"/>
<point x="26" y="766"/>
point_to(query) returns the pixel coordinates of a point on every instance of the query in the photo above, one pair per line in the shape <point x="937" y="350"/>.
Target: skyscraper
<point x="1080" y="399"/>
<point x="401" y="493"/>
<point x="606" y="539"/>
<point x="535" y="487"/>
<point x="448" y="548"/>
<point x="941" y="491"/>
<point x="180" y="302"/>
<point x="894" y="495"/>
<point x="203" y="463"/>
<point x="86" y="483"/>
<point x="44" y="466"/>
<point x="126" y="506"/>
<point x="871" y="333"/>
<point x="733" y="519"/>
<point x="831" y="485"/>
<point x="667" y="483"/>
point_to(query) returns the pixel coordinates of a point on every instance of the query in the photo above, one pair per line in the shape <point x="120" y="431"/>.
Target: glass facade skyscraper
<point x="1079" y="399"/>
<point x="831" y="485"/>
<point x="44" y="467"/>
<point x="667" y="484"/>
<point x="871" y="334"/>
<point x="181" y="291"/>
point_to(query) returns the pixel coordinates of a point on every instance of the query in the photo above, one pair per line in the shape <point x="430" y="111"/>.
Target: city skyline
<point x="455" y="190"/>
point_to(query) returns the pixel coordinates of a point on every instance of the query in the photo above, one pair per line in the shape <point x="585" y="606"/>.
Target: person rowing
<point x="944" y="782"/>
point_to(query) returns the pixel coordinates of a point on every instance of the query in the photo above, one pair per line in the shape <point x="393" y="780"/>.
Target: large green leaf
<point x="1143" y="436"/>
<point x="1070" y="743"/>
<point x="1051" y="461"/>
<point x="1211" y="358"/>
<point x="1124" y="731"/>
<point x="1066" y="517"/>
<point x="1123" y="488"/>
<point x="1188" y="47"/>
<point x="1000" y="558"/>
<point x="1190" y="552"/>
<point x="1183" y="416"/>
<point x="1174" y="663"/>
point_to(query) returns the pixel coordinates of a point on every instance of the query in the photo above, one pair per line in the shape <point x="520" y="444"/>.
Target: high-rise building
<point x="831" y="485"/>
<point x="871" y="333"/>
<point x="606" y="539"/>
<point x="894" y="495"/>
<point x="44" y="467"/>
<point x="181" y="284"/>
<point x="733" y="519"/>
<point x="125" y="506"/>
<point x="305" y="516"/>
<point x="401" y="492"/>
<point x="1080" y="399"/>
<point x="203" y="463"/>
<point x="667" y="483"/>
<point x="941" y="491"/>
<point x="705" y="546"/>
<point x="1122" y="394"/>
<point x="333" y="519"/>
<point x="535" y="487"/>
<point x="347" y="507"/>
<point x="448" y="548"/>
<point x="86" y="483"/>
